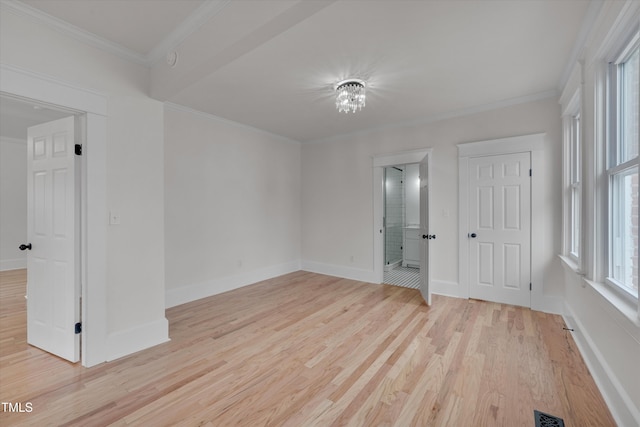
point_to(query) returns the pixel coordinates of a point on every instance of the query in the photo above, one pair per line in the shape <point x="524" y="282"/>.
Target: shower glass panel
<point x="394" y="178"/>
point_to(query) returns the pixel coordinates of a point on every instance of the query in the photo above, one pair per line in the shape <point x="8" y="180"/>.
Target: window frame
<point x="575" y="188"/>
<point x="614" y="166"/>
<point x="573" y="171"/>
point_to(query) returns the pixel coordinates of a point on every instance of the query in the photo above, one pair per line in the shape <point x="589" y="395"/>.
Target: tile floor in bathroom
<point x="407" y="277"/>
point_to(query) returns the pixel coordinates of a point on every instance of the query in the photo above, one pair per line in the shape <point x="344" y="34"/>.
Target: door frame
<point x="380" y="161"/>
<point x="27" y="85"/>
<point x="534" y="144"/>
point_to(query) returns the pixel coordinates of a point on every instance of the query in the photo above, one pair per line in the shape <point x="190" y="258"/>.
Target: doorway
<point x="42" y="208"/>
<point x="46" y="90"/>
<point x="402" y="225"/>
<point x="505" y="177"/>
<point x="422" y="158"/>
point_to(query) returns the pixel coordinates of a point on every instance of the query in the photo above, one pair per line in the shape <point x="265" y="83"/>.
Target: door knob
<point x="23" y="246"/>
<point x="429" y="236"/>
<point x="473" y="235"/>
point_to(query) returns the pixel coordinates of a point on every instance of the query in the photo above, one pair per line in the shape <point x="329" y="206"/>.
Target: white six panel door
<point x="53" y="305"/>
<point x="500" y="218"/>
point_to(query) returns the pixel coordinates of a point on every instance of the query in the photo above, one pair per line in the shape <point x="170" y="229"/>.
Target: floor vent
<point x="546" y="420"/>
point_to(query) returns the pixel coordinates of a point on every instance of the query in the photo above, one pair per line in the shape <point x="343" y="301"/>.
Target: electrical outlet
<point x="114" y="217"/>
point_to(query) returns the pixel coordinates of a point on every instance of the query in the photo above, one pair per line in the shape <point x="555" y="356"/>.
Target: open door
<point x="53" y="291"/>
<point x="425" y="289"/>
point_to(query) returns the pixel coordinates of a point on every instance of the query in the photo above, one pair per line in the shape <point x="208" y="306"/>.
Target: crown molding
<point x="577" y="52"/>
<point x="192" y="23"/>
<point x="21" y="9"/>
<point x="463" y="112"/>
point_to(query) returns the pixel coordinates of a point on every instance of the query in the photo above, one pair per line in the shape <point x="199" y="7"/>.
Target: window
<point x="622" y="169"/>
<point x="571" y="101"/>
<point x="575" y="187"/>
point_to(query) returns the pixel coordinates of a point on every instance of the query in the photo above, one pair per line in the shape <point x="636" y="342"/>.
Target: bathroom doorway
<point x="401" y="219"/>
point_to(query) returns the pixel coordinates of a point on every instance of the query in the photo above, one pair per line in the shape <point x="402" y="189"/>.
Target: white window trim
<point x="571" y="101"/>
<point x="611" y="155"/>
<point x="597" y="248"/>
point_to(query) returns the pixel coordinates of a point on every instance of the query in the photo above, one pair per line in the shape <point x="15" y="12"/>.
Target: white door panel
<point x="425" y="288"/>
<point x="53" y="305"/>
<point x="500" y="219"/>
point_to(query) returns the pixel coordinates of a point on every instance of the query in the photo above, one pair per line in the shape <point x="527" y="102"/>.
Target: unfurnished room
<point x="319" y="213"/>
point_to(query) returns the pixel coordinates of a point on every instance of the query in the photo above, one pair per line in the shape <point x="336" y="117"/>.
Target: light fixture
<point x="350" y="95"/>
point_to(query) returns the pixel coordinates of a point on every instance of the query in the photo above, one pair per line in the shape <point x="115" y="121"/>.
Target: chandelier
<point x="350" y="95"/>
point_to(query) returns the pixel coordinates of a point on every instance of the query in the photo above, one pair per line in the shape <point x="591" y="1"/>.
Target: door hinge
<point x="78" y="328"/>
<point x="529" y="172"/>
<point x="78" y="149"/>
<point x="529" y="286"/>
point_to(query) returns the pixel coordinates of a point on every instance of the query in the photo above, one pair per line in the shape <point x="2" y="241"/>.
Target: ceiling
<point x="272" y="64"/>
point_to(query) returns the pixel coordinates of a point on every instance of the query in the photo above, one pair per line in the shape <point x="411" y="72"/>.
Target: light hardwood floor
<point x="311" y="350"/>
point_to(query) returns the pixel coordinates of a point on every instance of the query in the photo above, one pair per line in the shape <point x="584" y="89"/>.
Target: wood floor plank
<point x="306" y="349"/>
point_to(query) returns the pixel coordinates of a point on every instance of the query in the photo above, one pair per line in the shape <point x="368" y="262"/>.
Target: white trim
<point x="463" y="112"/>
<point x="625" y="24"/>
<point x="191" y="24"/>
<point x="13" y="264"/>
<point x="401" y="158"/>
<point x="76" y="33"/>
<point x="194" y="21"/>
<point x="11" y="140"/>
<point x="620" y="404"/>
<point x="27" y="84"/>
<point x="446" y="288"/>
<point x="514" y="144"/>
<point x="196" y="291"/>
<point x="141" y="337"/>
<point x="534" y="144"/>
<point x="571" y="99"/>
<point x="577" y="52"/>
<point x="94" y="232"/>
<point x="571" y="104"/>
<point x="24" y="83"/>
<point x="339" y="271"/>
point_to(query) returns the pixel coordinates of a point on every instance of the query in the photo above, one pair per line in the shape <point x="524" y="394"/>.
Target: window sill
<point x="571" y="265"/>
<point x="621" y="304"/>
<point x="623" y="311"/>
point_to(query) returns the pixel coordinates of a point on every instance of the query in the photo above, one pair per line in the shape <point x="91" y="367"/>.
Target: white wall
<point x="13" y="203"/>
<point x="337" y="177"/>
<point x="134" y="173"/>
<point x="412" y="194"/>
<point x="606" y="328"/>
<point x="232" y="205"/>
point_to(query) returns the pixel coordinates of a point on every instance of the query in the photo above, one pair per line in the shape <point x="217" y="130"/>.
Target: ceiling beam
<point x="195" y="63"/>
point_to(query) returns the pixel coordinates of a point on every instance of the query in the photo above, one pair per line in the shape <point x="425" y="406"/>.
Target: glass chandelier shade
<point x="350" y="95"/>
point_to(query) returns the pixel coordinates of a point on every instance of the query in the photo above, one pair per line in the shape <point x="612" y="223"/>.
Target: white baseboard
<point x="124" y="343"/>
<point x="13" y="264"/>
<point x="339" y="271"/>
<point x="447" y="288"/>
<point x="620" y="404"/>
<point x="439" y="287"/>
<point x="196" y="291"/>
